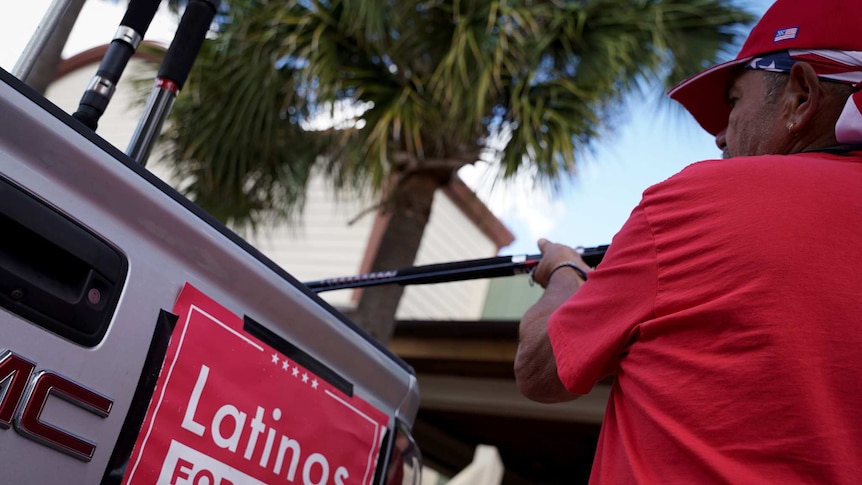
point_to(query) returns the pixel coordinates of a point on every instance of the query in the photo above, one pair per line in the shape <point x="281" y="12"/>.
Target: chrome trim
<point x="102" y="85"/>
<point x="129" y="36"/>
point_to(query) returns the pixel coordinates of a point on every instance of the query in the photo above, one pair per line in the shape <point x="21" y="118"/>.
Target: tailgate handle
<point x="53" y="271"/>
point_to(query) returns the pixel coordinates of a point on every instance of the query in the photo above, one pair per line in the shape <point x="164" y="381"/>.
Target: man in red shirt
<point x="729" y="306"/>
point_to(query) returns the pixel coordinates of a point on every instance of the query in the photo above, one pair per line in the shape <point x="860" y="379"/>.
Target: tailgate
<point x="151" y="242"/>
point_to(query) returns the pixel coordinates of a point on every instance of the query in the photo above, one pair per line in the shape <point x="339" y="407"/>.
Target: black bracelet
<point x="568" y="264"/>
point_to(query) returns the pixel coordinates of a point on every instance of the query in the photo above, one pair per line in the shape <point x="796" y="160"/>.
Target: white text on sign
<point x="315" y="467"/>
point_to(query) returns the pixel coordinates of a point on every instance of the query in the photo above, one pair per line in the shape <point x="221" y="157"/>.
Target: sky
<point x="653" y="138"/>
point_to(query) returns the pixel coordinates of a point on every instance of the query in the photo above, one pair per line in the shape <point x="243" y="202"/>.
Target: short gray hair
<point x="774" y="82"/>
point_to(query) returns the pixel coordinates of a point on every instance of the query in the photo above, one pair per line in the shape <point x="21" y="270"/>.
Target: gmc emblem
<point x="23" y="395"/>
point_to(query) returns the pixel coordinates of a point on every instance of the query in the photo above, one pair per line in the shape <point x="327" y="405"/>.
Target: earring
<point x="790" y="127"/>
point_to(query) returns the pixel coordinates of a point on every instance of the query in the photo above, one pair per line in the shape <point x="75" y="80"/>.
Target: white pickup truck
<point x="141" y="341"/>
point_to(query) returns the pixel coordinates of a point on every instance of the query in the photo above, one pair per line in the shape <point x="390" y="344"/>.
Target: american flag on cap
<point x="785" y="34"/>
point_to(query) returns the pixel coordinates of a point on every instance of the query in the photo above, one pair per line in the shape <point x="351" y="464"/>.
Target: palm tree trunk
<point x="45" y="69"/>
<point x="408" y="209"/>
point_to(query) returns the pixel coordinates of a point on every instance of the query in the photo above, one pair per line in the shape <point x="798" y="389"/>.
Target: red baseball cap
<point x="788" y="24"/>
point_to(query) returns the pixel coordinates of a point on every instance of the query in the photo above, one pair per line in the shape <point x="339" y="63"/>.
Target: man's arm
<point x="535" y="366"/>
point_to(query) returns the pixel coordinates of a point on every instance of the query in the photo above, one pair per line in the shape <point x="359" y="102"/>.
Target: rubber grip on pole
<point x="188" y="40"/>
<point x="140" y="14"/>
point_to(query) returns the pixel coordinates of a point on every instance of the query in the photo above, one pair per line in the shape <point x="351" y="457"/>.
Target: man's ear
<point x="802" y="96"/>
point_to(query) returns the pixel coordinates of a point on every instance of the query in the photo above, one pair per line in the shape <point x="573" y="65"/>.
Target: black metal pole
<point x="126" y="40"/>
<point x="172" y="75"/>
<point x="40" y="39"/>
<point x="448" y="272"/>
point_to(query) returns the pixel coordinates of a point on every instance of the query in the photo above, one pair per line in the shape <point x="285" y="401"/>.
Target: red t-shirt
<point x="729" y="306"/>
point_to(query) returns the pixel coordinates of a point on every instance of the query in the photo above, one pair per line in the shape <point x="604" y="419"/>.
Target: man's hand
<point x="535" y="366"/>
<point x="555" y="258"/>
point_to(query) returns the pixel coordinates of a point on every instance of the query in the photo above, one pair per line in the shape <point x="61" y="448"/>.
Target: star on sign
<point x="304" y="378"/>
<point x="295" y="371"/>
<point x="285" y="365"/>
<point x="275" y="358"/>
<point x="314" y="384"/>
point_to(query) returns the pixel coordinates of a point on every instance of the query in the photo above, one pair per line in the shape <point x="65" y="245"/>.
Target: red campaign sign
<point x="229" y="409"/>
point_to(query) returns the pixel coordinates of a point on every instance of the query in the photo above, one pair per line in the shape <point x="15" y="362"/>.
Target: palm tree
<point x="430" y="83"/>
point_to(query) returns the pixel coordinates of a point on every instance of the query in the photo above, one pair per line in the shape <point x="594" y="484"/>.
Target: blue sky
<point x="653" y="139"/>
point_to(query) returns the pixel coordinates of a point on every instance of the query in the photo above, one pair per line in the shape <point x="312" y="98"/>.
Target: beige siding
<point x="450" y="236"/>
<point x="324" y="244"/>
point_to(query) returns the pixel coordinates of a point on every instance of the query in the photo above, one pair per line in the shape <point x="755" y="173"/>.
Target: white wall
<point x="449" y="236"/>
